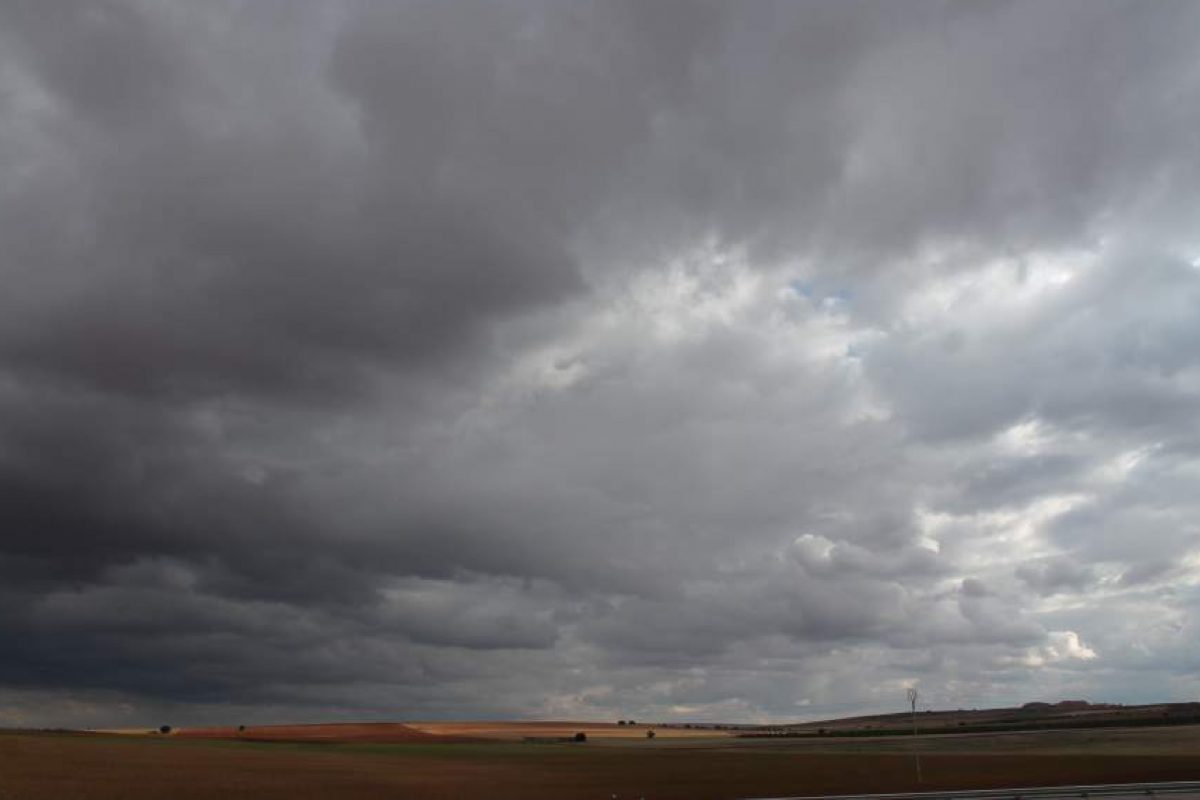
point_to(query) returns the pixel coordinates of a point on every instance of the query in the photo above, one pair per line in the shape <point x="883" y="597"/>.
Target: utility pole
<point x="912" y="702"/>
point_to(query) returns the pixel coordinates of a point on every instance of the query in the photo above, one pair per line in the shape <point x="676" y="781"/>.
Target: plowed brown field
<point x="516" y="731"/>
<point x="75" y="767"/>
<point x="363" y="732"/>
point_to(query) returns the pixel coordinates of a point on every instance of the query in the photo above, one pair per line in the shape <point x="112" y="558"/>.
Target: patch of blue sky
<point x="814" y="293"/>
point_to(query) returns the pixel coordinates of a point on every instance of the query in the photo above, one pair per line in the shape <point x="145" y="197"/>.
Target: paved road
<point x="1178" y="790"/>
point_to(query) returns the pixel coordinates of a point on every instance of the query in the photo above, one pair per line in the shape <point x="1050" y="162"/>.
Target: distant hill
<point x="1035" y="715"/>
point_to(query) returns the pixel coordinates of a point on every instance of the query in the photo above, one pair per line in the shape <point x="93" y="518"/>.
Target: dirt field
<point x="517" y="731"/>
<point x="366" y="732"/>
<point x="90" y="767"/>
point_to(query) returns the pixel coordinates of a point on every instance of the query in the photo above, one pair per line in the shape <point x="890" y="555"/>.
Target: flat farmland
<point x="335" y="733"/>
<point x="518" y="731"/>
<point x="40" y="766"/>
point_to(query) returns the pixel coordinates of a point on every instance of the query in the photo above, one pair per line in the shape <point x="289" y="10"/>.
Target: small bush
<point x="581" y="737"/>
<point x="621" y="722"/>
<point x="649" y="734"/>
<point x="165" y="729"/>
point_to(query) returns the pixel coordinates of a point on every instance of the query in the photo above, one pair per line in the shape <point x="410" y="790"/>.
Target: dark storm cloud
<point x="215" y="248"/>
<point x="393" y="358"/>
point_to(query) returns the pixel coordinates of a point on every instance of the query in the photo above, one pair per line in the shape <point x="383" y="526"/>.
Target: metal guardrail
<point x="1021" y="793"/>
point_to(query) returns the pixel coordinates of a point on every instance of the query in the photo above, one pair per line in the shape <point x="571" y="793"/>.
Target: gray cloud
<point x="672" y="359"/>
<point x="1054" y="575"/>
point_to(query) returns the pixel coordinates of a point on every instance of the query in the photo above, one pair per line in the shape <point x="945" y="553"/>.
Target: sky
<point x="592" y="360"/>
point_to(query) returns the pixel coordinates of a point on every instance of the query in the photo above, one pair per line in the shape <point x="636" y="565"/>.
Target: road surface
<point x="1178" y="790"/>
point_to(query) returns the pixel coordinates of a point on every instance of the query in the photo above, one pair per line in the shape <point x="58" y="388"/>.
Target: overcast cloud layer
<point x="596" y="359"/>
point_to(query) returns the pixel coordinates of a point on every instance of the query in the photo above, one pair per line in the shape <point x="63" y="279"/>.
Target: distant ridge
<point x="1034" y="715"/>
